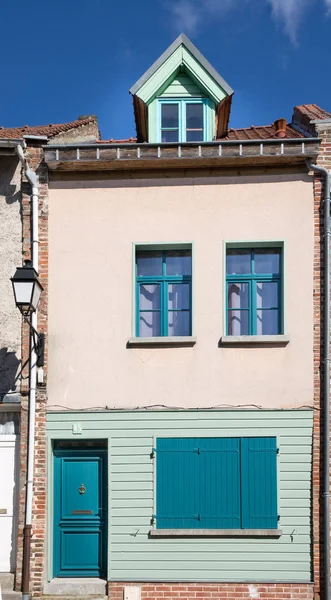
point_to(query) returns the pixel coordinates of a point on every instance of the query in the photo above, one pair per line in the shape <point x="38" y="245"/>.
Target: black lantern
<point x="27" y="289"/>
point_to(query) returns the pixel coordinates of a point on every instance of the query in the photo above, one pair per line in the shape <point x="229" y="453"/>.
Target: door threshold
<point x="75" y="586"/>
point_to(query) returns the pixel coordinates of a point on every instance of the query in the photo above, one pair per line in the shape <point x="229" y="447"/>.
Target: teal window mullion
<point x="182" y="122"/>
<point x="253" y="311"/>
<point x="164" y="311"/>
<point x="249" y="276"/>
<point x="205" y="121"/>
<point x="191" y="317"/>
<point x="280" y="307"/>
<point x="137" y="310"/>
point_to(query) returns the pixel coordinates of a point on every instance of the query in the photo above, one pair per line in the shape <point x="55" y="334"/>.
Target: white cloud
<point x="187" y="16"/>
<point x="190" y="14"/>
<point x="289" y="13"/>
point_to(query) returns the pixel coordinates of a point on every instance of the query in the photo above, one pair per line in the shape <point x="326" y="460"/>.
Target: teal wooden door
<point x="80" y="513"/>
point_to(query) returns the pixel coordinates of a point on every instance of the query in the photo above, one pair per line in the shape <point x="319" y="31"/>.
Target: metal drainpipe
<point x="326" y="377"/>
<point x="33" y="180"/>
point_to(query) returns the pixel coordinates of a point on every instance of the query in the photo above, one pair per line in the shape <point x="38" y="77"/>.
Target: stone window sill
<point x="258" y="533"/>
<point x="254" y="340"/>
<point x="154" y="342"/>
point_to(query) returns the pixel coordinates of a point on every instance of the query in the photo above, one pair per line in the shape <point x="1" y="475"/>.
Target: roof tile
<point x="49" y="130"/>
<point x="312" y="111"/>
<point x="260" y="133"/>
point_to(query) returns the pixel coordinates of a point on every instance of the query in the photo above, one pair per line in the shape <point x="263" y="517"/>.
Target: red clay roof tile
<point x="260" y="133"/>
<point x="49" y="130"/>
<point x="312" y="111"/>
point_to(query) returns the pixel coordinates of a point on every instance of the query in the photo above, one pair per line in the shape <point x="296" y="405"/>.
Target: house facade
<point x="10" y="354"/>
<point x="15" y="246"/>
<point x="179" y="403"/>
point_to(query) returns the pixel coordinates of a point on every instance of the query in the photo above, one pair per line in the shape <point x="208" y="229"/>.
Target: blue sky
<point x="65" y="58"/>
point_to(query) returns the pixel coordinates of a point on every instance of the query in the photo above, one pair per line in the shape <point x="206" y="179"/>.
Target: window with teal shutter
<point x="216" y="483"/>
<point x="259" y="483"/>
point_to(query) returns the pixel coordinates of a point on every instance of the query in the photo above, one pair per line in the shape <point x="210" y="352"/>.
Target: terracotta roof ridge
<point x="51" y="128"/>
<point x="312" y="111"/>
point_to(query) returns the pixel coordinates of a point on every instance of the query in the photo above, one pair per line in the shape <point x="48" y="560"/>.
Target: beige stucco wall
<point x="10" y="258"/>
<point x="92" y="226"/>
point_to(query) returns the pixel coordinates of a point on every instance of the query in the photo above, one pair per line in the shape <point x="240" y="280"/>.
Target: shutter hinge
<point x="278" y="517"/>
<point x="153" y="519"/>
<point x="277" y="450"/>
<point x="152" y="455"/>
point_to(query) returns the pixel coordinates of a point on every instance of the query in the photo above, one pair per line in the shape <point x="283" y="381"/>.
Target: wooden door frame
<point x="71" y="451"/>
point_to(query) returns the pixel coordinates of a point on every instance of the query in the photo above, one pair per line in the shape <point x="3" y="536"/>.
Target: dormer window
<point x="182" y="120"/>
<point x="181" y="98"/>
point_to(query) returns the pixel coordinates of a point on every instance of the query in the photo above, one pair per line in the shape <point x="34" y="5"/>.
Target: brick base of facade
<point x="215" y="591"/>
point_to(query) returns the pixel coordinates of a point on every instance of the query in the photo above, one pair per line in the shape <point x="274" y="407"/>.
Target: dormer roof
<point x="180" y="43"/>
<point x="181" y="56"/>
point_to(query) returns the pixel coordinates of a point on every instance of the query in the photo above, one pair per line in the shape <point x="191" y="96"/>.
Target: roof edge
<point x="182" y="39"/>
<point x="10" y="142"/>
<point x="220" y="142"/>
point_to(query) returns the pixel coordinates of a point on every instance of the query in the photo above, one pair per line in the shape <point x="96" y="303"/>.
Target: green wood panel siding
<point x="131" y="437"/>
<point x="183" y="86"/>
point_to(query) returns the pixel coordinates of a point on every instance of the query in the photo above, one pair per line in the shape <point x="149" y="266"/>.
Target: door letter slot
<point x="82" y="512"/>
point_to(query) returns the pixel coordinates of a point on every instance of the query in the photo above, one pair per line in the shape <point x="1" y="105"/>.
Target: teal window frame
<point x="182" y="103"/>
<point x="252" y="279"/>
<point x="216" y="483"/>
<point x="163" y="281"/>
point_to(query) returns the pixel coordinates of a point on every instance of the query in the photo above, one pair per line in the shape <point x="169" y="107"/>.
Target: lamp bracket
<point x="38" y="341"/>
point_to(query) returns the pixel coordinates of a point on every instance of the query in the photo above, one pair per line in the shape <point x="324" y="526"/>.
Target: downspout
<point x="33" y="180"/>
<point x="326" y="377"/>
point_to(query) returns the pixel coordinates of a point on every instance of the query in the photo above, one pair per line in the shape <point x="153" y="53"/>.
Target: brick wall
<point x="35" y="160"/>
<point x="324" y="160"/>
<point x="215" y="591"/>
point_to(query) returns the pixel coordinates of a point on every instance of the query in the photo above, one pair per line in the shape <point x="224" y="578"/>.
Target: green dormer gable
<point x="181" y="98"/>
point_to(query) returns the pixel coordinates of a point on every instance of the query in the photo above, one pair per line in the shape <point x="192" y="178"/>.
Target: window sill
<point x="148" y="342"/>
<point x="258" y="533"/>
<point x="254" y="340"/>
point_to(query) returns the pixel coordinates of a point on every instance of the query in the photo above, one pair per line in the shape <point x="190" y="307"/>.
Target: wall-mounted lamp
<point x="27" y="291"/>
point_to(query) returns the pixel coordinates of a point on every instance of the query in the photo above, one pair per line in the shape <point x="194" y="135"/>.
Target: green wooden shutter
<point x="177" y="483"/>
<point x="219" y="493"/>
<point x="259" y="483"/>
<point x="198" y="483"/>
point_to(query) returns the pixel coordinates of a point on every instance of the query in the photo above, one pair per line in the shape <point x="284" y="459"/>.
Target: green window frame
<point x="216" y="483"/>
<point x="164" y="293"/>
<point x="180" y="131"/>
<point x="254" y="296"/>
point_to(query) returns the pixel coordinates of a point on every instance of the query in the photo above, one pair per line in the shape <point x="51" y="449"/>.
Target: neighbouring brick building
<point x="15" y="246"/>
<point x="181" y="394"/>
